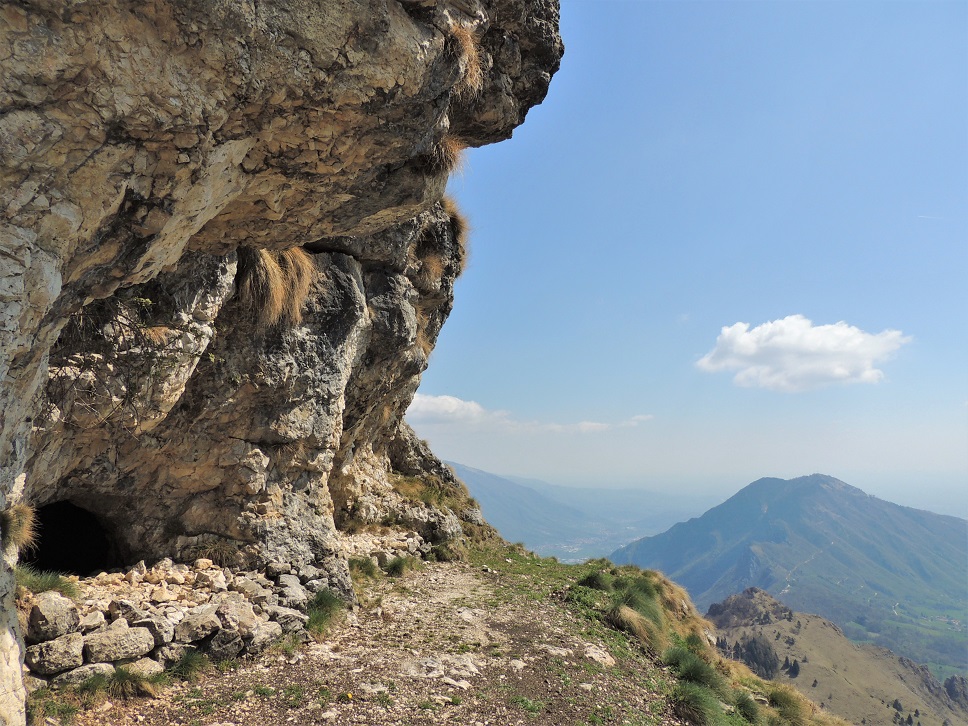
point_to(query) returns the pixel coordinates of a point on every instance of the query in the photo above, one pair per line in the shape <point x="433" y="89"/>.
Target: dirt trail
<point x="445" y="644"/>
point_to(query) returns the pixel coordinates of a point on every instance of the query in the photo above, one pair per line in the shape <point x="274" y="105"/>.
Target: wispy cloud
<point x="431" y="410"/>
<point x="793" y="354"/>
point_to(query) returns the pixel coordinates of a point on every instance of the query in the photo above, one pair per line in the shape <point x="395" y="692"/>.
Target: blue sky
<point x="797" y="167"/>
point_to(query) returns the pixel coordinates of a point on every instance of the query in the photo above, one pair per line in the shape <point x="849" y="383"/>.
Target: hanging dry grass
<point x="465" y="47"/>
<point x="444" y="156"/>
<point x="299" y="272"/>
<point x="18" y="527"/>
<point x="274" y="285"/>
<point x="460" y="229"/>
<point x="423" y="340"/>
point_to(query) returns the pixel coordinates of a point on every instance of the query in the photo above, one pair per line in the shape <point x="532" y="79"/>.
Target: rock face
<point x="224" y="262"/>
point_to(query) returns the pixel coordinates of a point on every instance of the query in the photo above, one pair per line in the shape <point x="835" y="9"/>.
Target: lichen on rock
<point x="149" y="152"/>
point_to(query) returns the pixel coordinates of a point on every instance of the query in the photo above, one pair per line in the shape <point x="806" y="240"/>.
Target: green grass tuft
<point x="597" y="581"/>
<point x="125" y="684"/>
<point x="364" y="566"/>
<point x="747" y="707"/>
<point x="190" y="666"/>
<point x="38" y="581"/>
<point x="398" y="566"/>
<point x="321" y="609"/>
<point x="789" y="704"/>
<point x="696" y="704"/>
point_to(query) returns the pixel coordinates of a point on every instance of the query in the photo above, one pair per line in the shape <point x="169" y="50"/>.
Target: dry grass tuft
<point x="465" y="47"/>
<point x="423" y="340"/>
<point x="18" y="527"/>
<point x="259" y="284"/>
<point x="644" y="630"/>
<point x="274" y="285"/>
<point x="460" y="228"/>
<point x="299" y="271"/>
<point x="444" y="156"/>
<point x="432" y="268"/>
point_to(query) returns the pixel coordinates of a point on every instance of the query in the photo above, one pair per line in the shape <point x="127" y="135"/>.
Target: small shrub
<point x="626" y="619"/>
<point x="642" y="602"/>
<point x="696" y="644"/>
<point x="293" y="695"/>
<point x="582" y="596"/>
<point x="444" y="156"/>
<point x="675" y="655"/>
<point x="690" y="667"/>
<point x="288" y="644"/>
<point x="227" y="665"/>
<point x="460" y="230"/>
<point x="95" y="685"/>
<point x="38" y="581"/>
<point x="43" y="705"/>
<point x="695" y="703"/>
<point x="223" y="553"/>
<point x="274" y="285"/>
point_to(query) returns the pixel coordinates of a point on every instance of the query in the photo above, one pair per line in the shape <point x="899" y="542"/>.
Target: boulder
<point x="55" y="656"/>
<point x="161" y="629"/>
<point x="145" y="667"/>
<point x="197" y="625"/>
<point x="116" y="644"/>
<point x="262" y="636"/>
<point x="291" y="592"/>
<point x="238" y="616"/>
<point x="225" y="644"/>
<point x="253" y="591"/>
<point x="126" y="609"/>
<point x="214" y="580"/>
<point x="292" y="621"/>
<point x="52" y="616"/>
<point x="77" y="676"/>
<point x="94" y="620"/>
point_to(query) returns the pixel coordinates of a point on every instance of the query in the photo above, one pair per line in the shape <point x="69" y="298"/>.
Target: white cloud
<point x="429" y="410"/>
<point x="450" y="409"/>
<point x="793" y="354"/>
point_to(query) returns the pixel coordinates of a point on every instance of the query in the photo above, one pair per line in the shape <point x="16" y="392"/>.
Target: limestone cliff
<point x="224" y="261"/>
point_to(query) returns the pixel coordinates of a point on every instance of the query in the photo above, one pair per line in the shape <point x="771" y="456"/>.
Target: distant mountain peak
<point x="821" y="545"/>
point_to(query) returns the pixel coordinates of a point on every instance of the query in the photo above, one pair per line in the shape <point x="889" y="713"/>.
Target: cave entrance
<point x="73" y="541"/>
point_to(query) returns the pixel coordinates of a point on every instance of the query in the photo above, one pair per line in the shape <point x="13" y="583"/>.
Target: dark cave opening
<point x="73" y="541"/>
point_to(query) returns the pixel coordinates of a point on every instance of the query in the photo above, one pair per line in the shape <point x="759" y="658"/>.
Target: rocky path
<point x="455" y="643"/>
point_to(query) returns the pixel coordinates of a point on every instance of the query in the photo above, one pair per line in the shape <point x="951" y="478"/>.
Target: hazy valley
<point x="572" y="523"/>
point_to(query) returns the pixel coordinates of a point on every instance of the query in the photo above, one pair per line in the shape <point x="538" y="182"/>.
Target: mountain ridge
<point x="859" y="682"/>
<point x="885" y="573"/>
